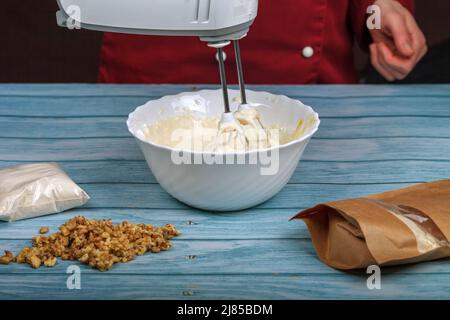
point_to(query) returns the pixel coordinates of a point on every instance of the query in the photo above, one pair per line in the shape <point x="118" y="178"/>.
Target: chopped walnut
<point x="7" y="258"/>
<point x="34" y="261"/>
<point x="43" y="230"/>
<point x="98" y="243"/>
<point x="50" y="262"/>
<point x="22" y="256"/>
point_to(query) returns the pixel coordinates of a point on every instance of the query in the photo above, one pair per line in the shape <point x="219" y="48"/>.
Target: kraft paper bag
<point x="397" y="227"/>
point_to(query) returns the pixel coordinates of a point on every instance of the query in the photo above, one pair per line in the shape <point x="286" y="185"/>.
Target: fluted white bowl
<point x="222" y="187"/>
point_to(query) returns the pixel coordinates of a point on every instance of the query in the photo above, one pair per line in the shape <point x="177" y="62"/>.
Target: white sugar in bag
<point x="33" y="190"/>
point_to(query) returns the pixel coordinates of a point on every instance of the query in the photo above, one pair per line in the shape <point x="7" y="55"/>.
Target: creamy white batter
<point x="203" y="134"/>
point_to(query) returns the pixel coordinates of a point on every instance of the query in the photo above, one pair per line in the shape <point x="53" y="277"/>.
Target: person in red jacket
<point x="291" y="42"/>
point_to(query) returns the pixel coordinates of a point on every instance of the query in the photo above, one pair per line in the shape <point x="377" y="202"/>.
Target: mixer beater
<point x="237" y="130"/>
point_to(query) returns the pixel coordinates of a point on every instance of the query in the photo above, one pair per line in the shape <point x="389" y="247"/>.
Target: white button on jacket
<point x="308" y="52"/>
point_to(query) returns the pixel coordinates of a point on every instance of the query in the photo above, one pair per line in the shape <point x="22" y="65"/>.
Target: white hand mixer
<point x="216" y="22"/>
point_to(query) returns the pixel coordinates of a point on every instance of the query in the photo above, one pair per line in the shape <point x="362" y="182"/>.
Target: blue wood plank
<point x="280" y="256"/>
<point x="318" y="150"/>
<point x="331" y="128"/>
<point x="334" y="91"/>
<point x="55" y="107"/>
<point x="292" y="196"/>
<point x="202" y="257"/>
<point x="388" y="106"/>
<point x="400" y="170"/>
<point x="194" y="224"/>
<point x="101" y="171"/>
<point x="312" y="172"/>
<point x="378" y="149"/>
<point x="26" y="127"/>
<point x="103" y="106"/>
<point x="233" y="287"/>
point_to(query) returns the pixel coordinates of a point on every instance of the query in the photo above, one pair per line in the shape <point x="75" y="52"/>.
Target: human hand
<point x="399" y="45"/>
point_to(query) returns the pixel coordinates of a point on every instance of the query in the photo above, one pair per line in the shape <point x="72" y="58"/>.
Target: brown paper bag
<point x="396" y="227"/>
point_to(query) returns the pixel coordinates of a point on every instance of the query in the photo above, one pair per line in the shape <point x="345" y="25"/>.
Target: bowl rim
<point x="248" y="152"/>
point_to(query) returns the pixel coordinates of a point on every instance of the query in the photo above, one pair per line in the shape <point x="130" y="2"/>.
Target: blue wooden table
<point x="372" y="139"/>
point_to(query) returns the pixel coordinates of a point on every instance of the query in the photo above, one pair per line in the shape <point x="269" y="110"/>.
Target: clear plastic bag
<point x="33" y="190"/>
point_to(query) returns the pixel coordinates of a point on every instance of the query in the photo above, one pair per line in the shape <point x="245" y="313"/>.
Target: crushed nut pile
<point x="99" y="243"/>
<point x="7" y="258"/>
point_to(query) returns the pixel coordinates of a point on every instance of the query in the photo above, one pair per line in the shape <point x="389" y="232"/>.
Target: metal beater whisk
<point x="244" y="109"/>
<point x="229" y="127"/>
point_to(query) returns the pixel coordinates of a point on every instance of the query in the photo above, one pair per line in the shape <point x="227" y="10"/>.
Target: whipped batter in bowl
<point x="189" y="132"/>
<point x="177" y="137"/>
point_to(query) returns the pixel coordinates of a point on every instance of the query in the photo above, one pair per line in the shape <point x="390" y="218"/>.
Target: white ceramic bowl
<point x="222" y="187"/>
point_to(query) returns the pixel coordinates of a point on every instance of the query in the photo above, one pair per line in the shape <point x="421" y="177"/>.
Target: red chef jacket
<point x="272" y="53"/>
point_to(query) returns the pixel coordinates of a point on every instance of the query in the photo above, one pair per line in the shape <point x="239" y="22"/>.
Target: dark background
<point x="34" y="49"/>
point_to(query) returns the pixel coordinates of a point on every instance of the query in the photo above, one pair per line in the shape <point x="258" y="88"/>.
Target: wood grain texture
<point x="236" y="257"/>
<point x="147" y="196"/>
<point x="318" y="149"/>
<point x="334" y="91"/>
<point x="292" y="196"/>
<point x="372" y="139"/>
<point x="232" y="287"/>
<point x="202" y="257"/>
<point x="330" y="128"/>
<point x="81" y="106"/>
<point x="309" y="172"/>
<point x="194" y="224"/>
